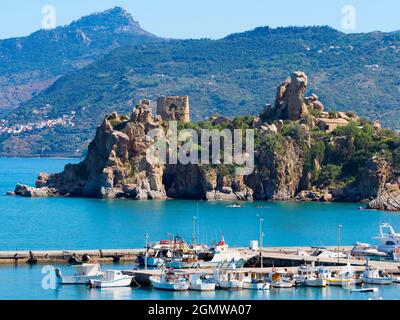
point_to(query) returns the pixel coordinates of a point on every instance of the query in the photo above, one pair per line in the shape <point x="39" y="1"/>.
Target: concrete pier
<point x="63" y="256"/>
<point x="277" y="257"/>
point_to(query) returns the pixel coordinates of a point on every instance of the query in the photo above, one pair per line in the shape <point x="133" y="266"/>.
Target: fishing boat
<point x="344" y="277"/>
<point x="279" y="280"/>
<point x="309" y="276"/>
<point x="228" y="278"/>
<point x="83" y="274"/>
<point x="253" y="281"/>
<point x="170" y="280"/>
<point x="201" y="282"/>
<point x="366" y="250"/>
<point x="159" y="258"/>
<point x="112" y="279"/>
<point x="388" y="238"/>
<point x="373" y="275"/>
<point x="185" y="261"/>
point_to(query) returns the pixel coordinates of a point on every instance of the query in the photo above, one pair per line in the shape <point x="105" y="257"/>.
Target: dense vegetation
<point x="333" y="159"/>
<point x="233" y="76"/>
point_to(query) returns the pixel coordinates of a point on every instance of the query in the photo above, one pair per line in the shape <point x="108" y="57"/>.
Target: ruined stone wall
<point x="174" y="108"/>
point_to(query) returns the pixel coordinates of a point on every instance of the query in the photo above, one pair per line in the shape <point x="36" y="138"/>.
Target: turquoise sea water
<point x="58" y="223"/>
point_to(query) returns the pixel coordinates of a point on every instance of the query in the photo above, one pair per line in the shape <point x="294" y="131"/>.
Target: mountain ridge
<point x="233" y="76"/>
<point x="30" y="64"/>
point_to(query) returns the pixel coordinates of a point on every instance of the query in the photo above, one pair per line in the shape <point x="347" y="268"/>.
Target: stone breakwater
<point x="287" y="166"/>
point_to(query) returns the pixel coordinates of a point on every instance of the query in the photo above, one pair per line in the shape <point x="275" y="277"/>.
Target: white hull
<point x="382" y="281"/>
<point x="230" y="285"/>
<point x="124" y="282"/>
<point x="256" y="286"/>
<point x="282" y="285"/>
<point x="202" y="286"/>
<point x="171" y="286"/>
<point x="315" y="283"/>
<point x="72" y="280"/>
<point x="396" y="280"/>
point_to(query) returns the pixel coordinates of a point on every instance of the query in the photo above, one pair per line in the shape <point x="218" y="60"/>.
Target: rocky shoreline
<point x="288" y="165"/>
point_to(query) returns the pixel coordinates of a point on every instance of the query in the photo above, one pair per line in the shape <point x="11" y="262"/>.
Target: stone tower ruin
<point x="174" y="108"/>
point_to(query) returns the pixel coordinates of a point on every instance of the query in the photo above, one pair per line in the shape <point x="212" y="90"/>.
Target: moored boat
<point x="373" y="275"/>
<point x="279" y="280"/>
<point x="83" y="274"/>
<point x="310" y="276"/>
<point x="366" y="250"/>
<point x="388" y="238"/>
<point x="201" y="282"/>
<point x="170" y="280"/>
<point x="254" y="281"/>
<point x="344" y="277"/>
<point x="228" y="278"/>
<point x="112" y="279"/>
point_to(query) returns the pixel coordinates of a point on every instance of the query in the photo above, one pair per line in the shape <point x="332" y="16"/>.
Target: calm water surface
<point x="57" y="223"/>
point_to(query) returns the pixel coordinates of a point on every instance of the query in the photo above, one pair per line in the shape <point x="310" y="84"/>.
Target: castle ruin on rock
<point x="174" y="108"/>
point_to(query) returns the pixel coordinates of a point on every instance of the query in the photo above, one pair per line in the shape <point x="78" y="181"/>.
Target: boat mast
<point x="194" y="231"/>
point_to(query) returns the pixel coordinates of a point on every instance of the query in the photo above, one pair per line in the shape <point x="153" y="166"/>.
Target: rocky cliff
<point x="294" y="158"/>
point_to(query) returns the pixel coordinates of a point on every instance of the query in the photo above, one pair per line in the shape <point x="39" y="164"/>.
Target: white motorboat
<point x="388" y="238"/>
<point x="280" y="281"/>
<point x="187" y="261"/>
<point x="282" y="284"/>
<point x="201" y="282"/>
<point x="228" y="278"/>
<point x="170" y="280"/>
<point x="345" y="277"/>
<point x="223" y="255"/>
<point x="321" y="252"/>
<point x="310" y="276"/>
<point x="373" y="275"/>
<point x="256" y="285"/>
<point x="254" y="281"/>
<point x="112" y="279"/>
<point x="83" y="274"/>
<point x="366" y="250"/>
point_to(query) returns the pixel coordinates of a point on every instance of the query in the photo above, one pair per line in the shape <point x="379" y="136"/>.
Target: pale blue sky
<point x="205" y="18"/>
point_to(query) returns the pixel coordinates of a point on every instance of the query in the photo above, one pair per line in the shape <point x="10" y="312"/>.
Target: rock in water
<point x="388" y="199"/>
<point x="29" y="192"/>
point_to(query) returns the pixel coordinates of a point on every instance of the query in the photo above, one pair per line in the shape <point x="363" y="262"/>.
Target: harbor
<point x="63" y="232"/>
<point x="176" y="265"/>
<point x="272" y="257"/>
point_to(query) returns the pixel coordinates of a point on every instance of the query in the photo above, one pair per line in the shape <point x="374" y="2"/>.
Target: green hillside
<point x="232" y="76"/>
